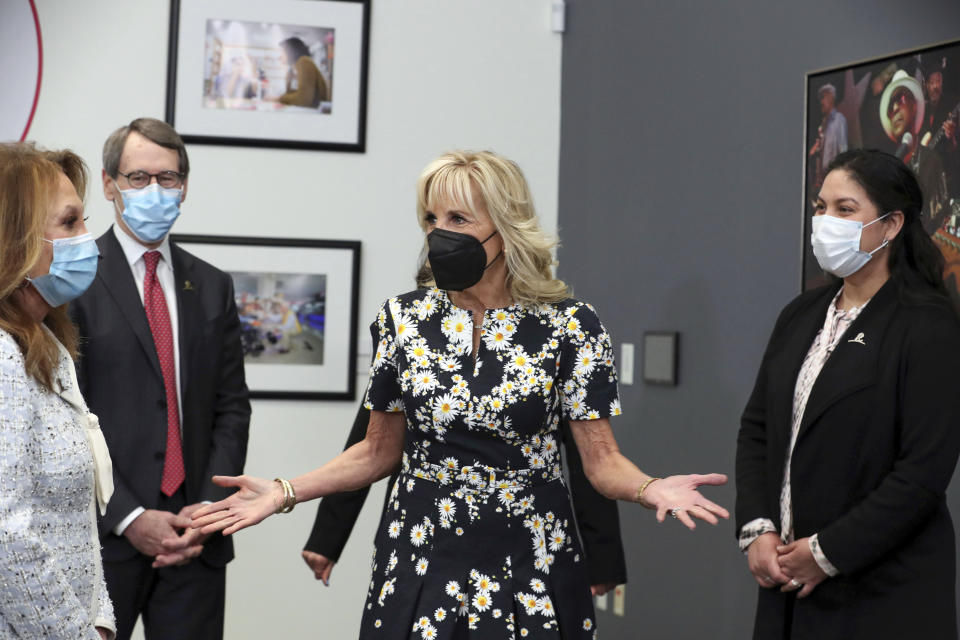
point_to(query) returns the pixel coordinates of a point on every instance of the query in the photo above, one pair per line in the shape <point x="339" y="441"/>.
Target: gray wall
<point x="680" y="209"/>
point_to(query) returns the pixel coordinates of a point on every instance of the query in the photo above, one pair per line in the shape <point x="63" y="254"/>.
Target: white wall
<point x="443" y="74"/>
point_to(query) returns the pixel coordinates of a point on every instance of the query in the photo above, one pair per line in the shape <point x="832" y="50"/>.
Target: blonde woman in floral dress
<point x="468" y="384"/>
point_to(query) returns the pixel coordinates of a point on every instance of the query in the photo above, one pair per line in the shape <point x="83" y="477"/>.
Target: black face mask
<point x="457" y="260"/>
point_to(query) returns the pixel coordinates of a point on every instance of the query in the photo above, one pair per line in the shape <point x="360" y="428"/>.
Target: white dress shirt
<point x="134" y="251"/>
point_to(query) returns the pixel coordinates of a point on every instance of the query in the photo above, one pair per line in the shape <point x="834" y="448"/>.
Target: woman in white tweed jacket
<point x="54" y="466"/>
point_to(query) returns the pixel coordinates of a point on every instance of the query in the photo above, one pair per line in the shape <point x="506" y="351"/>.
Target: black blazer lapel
<point x="188" y="311"/>
<point x="114" y="271"/>
<point x="853" y="365"/>
<point x="785" y="366"/>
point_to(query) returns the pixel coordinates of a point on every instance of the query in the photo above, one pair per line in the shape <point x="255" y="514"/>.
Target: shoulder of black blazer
<point x="889" y="319"/>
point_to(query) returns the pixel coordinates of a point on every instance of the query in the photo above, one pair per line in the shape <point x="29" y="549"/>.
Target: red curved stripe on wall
<point x="36" y="94"/>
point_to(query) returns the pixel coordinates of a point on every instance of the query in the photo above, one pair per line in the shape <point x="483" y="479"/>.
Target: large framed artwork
<point x="284" y="73"/>
<point x="906" y="104"/>
<point x="297" y="300"/>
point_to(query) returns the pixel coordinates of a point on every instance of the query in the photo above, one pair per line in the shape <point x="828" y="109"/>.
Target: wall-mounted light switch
<point x="626" y="363"/>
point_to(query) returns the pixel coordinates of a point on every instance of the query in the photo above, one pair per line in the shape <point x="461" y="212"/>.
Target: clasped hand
<point x="774" y="564"/>
<point x="167" y="537"/>
<point x="678" y="495"/>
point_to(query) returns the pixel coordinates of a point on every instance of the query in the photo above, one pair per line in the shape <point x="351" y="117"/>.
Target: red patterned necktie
<point x="159" y="319"/>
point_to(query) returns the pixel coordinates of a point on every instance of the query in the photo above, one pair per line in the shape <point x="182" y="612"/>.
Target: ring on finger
<point x="794" y="583"/>
<point x="674" y="511"/>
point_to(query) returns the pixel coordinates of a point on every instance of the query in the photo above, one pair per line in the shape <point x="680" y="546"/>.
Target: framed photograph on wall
<point x="284" y="73"/>
<point x="297" y="300"/>
<point x="907" y="104"/>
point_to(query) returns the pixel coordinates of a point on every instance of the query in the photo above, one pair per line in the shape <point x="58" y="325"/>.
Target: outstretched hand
<point x="678" y="496"/>
<point x="256" y="499"/>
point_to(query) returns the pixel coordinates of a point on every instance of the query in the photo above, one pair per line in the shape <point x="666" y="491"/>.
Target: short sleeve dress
<point x="478" y="539"/>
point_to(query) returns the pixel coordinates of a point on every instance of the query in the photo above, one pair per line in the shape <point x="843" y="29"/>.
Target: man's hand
<point x="320" y="564"/>
<point x="950" y="131"/>
<point x="763" y="561"/>
<point x="798" y="564"/>
<point x="149" y="530"/>
<point x="181" y="549"/>
<point x="600" y="589"/>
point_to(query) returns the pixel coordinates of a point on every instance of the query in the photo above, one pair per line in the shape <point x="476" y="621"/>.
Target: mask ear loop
<point x="117" y="194"/>
<point x="496" y="257"/>
<point x="885" y="240"/>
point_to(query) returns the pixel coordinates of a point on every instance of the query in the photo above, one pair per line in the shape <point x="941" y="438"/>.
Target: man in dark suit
<point x="161" y="365"/>
<point x="597" y="519"/>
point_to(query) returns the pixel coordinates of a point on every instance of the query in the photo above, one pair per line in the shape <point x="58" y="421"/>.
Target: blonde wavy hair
<point x="459" y="178"/>
<point x="28" y="178"/>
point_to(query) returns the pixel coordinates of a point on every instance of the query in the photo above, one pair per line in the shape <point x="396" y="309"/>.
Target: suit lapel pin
<point x="188" y="286"/>
<point x="858" y="339"/>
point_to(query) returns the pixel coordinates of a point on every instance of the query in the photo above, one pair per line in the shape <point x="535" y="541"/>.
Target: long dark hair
<point x="916" y="263"/>
<point x="295" y="49"/>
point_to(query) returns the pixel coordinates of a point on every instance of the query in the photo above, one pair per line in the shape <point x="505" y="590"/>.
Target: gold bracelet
<point x="289" y="497"/>
<point x="292" y="497"/>
<point x="643" y="488"/>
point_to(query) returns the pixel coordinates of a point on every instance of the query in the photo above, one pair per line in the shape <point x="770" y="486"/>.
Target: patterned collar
<point x="838" y="320"/>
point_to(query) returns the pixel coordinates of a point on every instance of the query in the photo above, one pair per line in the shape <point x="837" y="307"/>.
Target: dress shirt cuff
<point x="819" y="556"/>
<point x="753" y="530"/>
<point x="120" y="528"/>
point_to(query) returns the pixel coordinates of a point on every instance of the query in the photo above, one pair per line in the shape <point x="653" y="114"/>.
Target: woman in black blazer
<point x="852" y="432"/>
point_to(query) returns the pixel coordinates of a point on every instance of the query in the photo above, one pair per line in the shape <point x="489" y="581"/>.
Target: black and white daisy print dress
<point x="478" y="539"/>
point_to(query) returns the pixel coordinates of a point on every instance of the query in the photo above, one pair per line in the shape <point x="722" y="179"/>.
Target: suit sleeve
<point x="929" y="444"/>
<point x="123" y="501"/>
<point x="598" y="519"/>
<point x="231" y="419"/>
<point x="337" y="513"/>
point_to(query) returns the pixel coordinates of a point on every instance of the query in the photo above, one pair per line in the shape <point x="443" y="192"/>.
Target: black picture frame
<point x="204" y="112"/>
<point x="320" y="361"/>
<point x="863" y="93"/>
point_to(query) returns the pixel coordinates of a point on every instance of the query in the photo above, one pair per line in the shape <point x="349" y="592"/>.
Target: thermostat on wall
<point x="660" y="357"/>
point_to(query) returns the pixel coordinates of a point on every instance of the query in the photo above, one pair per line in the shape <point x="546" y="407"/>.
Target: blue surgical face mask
<point x="151" y="211"/>
<point x="72" y="271"/>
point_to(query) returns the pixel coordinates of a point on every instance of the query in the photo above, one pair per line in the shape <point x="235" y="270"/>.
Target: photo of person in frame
<point x="906" y="105"/>
<point x="254" y="66"/>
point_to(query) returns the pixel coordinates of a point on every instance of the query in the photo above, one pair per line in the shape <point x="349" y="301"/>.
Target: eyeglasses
<point x="166" y="179"/>
<point x="899" y="100"/>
